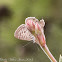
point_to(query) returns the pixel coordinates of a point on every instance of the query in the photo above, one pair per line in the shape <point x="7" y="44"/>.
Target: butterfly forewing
<point x="23" y="33"/>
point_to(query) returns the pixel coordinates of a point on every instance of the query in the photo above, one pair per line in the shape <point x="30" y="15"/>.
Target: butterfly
<point x="23" y="33"/>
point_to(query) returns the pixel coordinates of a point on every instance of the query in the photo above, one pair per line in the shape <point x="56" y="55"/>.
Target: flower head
<point x="36" y="26"/>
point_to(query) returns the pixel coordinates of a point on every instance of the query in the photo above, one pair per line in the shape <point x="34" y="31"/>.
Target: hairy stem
<point x="48" y="53"/>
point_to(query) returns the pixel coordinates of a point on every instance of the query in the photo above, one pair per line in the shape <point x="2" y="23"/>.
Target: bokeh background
<point x="13" y="14"/>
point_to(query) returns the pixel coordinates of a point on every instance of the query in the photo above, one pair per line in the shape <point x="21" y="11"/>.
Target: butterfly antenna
<point x="26" y="44"/>
<point x="37" y="47"/>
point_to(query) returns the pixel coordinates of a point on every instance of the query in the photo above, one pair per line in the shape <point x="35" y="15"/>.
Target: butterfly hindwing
<point x="23" y="33"/>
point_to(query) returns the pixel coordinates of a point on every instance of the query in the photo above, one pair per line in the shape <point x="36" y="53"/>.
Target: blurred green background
<point x="13" y="14"/>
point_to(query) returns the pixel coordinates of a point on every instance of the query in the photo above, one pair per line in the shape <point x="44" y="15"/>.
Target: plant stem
<point x="48" y="53"/>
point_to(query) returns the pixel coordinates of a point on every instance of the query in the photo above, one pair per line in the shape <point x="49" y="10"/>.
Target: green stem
<point x="48" y="53"/>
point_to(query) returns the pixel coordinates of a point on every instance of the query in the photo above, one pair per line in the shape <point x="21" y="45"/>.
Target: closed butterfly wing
<point x="23" y="33"/>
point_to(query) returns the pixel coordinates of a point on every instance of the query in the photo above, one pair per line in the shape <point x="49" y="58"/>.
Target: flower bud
<point x="41" y="39"/>
<point x="32" y="19"/>
<point x="30" y="25"/>
<point x="40" y="34"/>
<point x="37" y="28"/>
<point x="42" y="23"/>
